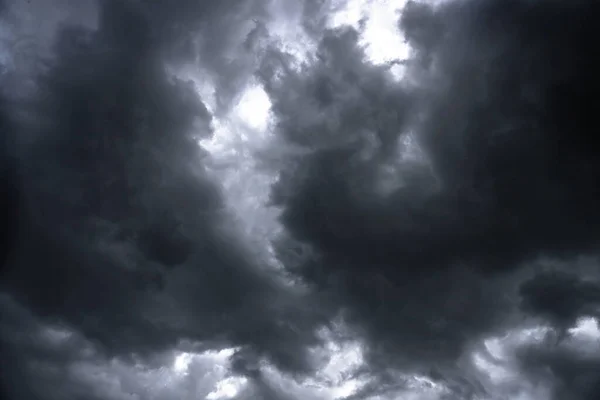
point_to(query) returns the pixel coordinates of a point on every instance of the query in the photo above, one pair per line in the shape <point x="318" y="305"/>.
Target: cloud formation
<point x="122" y="237"/>
<point x="420" y="214"/>
<point x="498" y="97"/>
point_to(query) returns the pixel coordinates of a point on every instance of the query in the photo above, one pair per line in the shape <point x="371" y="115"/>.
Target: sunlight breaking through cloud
<point x="344" y="358"/>
<point x="383" y="41"/>
<point x="227" y="388"/>
<point x="182" y="362"/>
<point x="253" y="108"/>
<point x="354" y="206"/>
<point x="237" y="139"/>
<point x="586" y="328"/>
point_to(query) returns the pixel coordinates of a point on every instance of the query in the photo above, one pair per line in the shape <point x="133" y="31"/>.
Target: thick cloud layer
<point x="560" y="297"/>
<point x="569" y="369"/>
<point x="427" y="213"/>
<point x="498" y="96"/>
<point x="122" y="237"/>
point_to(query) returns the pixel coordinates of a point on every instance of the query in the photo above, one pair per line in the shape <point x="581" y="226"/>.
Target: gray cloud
<point x="572" y="373"/>
<point x="121" y="236"/>
<point x="560" y="297"/>
<point x="498" y="96"/>
<point x="413" y="210"/>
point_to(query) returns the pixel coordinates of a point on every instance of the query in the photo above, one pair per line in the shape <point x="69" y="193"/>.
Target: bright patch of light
<point x="288" y="34"/>
<point x="182" y="362"/>
<point x="237" y="139"/>
<point x="189" y="375"/>
<point x="224" y="353"/>
<point x="227" y="388"/>
<point x="586" y="328"/>
<point x="494" y="348"/>
<point x="253" y="108"/>
<point x="493" y="368"/>
<point x="347" y="388"/>
<point x="380" y="36"/>
<point x="584" y="337"/>
<point x="343" y="359"/>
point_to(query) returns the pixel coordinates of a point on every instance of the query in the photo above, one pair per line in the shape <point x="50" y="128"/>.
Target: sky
<point x="307" y="200"/>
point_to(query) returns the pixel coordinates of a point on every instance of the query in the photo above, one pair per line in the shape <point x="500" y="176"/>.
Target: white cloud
<point x="238" y="137"/>
<point x="182" y="362"/>
<point x="253" y="108"/>
<point x="499" y="369"/>
<point x="381" y="37"/>
<point x="227" y="388"/>
<point x="586" y="329"/>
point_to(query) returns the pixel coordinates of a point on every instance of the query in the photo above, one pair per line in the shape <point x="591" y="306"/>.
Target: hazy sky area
<point x="300" y="200"/>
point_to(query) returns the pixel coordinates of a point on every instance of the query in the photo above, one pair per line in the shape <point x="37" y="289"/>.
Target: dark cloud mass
<point x="560" y="297"/>
<point x="501" y="101"/>
<point x="418" y="211"/>
<point x="573" y="374"/>
<point x="122" y="237"/>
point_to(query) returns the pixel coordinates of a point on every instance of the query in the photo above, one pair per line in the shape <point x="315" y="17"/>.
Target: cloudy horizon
<point x="290" y="200"/>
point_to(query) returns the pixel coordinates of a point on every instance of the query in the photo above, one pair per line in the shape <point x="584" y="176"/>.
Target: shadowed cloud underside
<point x="319" y="200"/>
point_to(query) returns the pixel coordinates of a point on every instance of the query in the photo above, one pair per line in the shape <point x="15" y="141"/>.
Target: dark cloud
<point x="499" y="96"/>
<point x="572" y="373"/>
<point x="31" y="355"/>
<point x="121" y="236"/>
<point x="561" y="297"/>
<point x="9" y="199"/>
<point x="412" y="209"/>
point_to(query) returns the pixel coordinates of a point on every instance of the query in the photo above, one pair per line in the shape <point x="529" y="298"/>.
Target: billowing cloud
<point x="122" y="237"/>
<point x="326" y="200"/>
<point x="560" y="297"/>
<point x="497" y="97"/>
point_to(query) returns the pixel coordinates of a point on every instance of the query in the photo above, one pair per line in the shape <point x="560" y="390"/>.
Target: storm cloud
<point x="497" y="97"/>
<point x="122" y="237"/>
<point x="421" y="208"/>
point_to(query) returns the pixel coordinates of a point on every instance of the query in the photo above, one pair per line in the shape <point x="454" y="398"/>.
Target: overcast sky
<point x="299" y="200"/>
